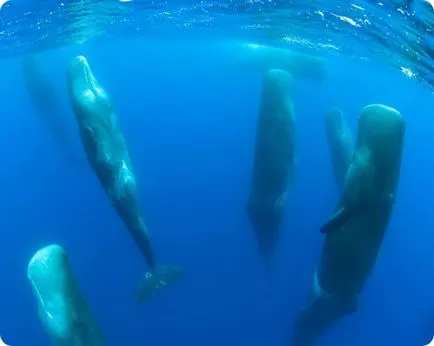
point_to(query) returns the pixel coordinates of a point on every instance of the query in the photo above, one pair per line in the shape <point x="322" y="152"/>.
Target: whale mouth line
<point x="87" y="77"/>
<point x="41" y="300"/>
<point x="84" y="73"/>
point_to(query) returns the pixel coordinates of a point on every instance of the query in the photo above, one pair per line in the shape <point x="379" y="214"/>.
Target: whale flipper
<point x="359" y="171"/>
<point x="337" y="220"/>
<point x="155" y="280"/>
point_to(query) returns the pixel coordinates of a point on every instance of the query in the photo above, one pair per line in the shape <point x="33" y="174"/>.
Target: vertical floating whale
<point x="340" y="143"/>
<point x="62" y="308"/>
<point x="43" y="95"/>
<point x="107" y="153"/>
<point x="274" y="159"/>
<point x="354" y="234"/>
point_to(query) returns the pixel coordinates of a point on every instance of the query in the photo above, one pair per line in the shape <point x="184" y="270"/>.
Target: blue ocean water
<point x="189" y="119"/>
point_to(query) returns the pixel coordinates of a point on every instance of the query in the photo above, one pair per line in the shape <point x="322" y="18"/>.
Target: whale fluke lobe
<point x="63" y="311"/>
<point x="157" y="279"/>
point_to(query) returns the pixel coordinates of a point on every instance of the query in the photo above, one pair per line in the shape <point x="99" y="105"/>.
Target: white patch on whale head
<point x="99" y="91"/>
<point x="2" y="3"/>
<point x="431" y="2"/>
<point x="431" y="343"/>
<point x="89" y="95"/>
<point x="2" y="343"/>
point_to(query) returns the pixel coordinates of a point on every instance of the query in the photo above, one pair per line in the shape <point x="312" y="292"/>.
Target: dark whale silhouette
<point x="45" y="98"/>
<point x="274" y="160"/>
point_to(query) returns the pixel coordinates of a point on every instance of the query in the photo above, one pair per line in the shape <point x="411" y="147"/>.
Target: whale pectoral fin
<point x="337" y="220"/>
<point x="358" y="180"/>
<point x="157" y="279"/>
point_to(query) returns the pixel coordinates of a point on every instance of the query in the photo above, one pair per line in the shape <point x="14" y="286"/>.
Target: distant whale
<point x="62" y="308"/>
<point x="340" y="142"/>
<point x="354" y="234"/>
<point x="299" y="65"/>
<point x="107" y="153"/>
<point x="251" y="56"/>
<point x="274" y="160"/>
<point x="43" y="95"/>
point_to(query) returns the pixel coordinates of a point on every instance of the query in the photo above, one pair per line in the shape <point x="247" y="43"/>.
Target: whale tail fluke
<point x="155" y="280"/>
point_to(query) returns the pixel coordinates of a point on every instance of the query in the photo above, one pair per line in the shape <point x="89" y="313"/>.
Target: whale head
<point x="88" y="98"/>
<point x="334" y="118"/>
<point x="277" y="85"/>
<point x="49" y="274"/>
<point x="381" y="129"/>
